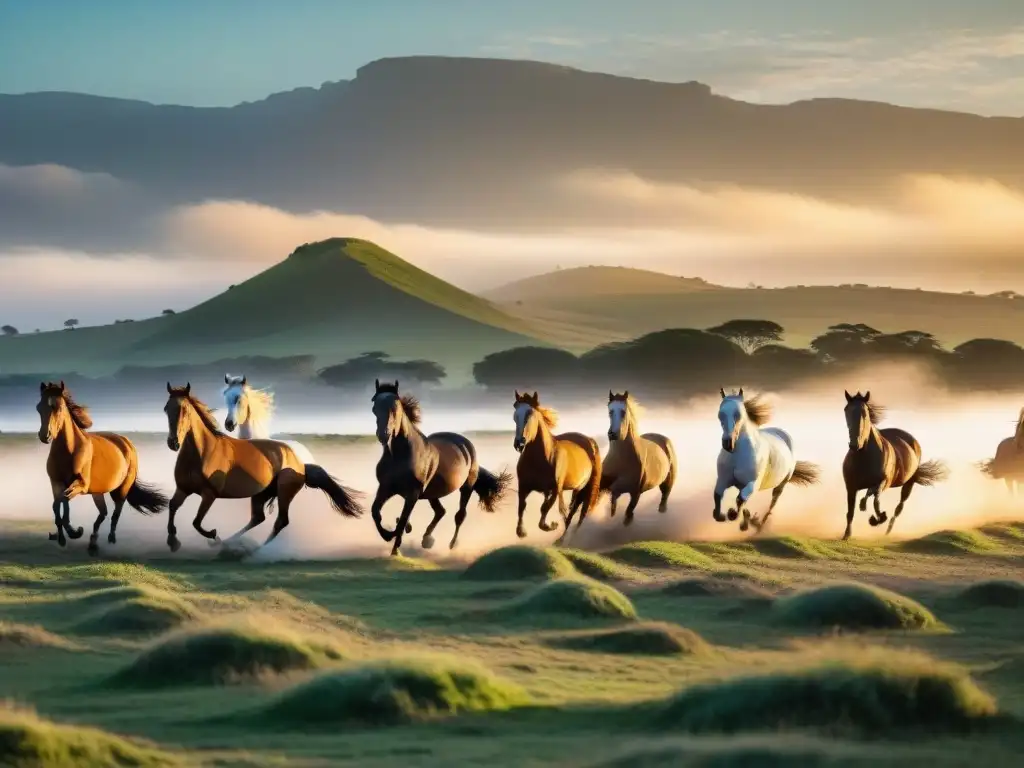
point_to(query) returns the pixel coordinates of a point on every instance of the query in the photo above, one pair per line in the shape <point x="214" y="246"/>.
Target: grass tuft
<point x="851" y="606"/>
<point x="520" y="562"/>
<point x="133" y="610"/>
<point x="27" y="636"/>
<point x="995" y="593"/>
<point x="952" y="543"/>
<point x="662" y="554"/>
<point x="649" y="639"/>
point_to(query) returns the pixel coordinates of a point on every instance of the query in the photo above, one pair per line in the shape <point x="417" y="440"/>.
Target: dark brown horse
<point x="89" y="463"/>
<point x="428" y="467"/>
<point x="214" y="466"/>
<point x="879" y="459"/>
<point x="551" y="464"/>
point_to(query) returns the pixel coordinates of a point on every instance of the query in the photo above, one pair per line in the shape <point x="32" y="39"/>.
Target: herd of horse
<point x="414" y="466"/>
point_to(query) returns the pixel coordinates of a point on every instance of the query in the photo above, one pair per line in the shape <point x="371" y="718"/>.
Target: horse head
<point x="387" y="408"/>
<point x="731" y="416"/>
<point x="523" y="407"/>
<point x="235" y="401"/>
<point x="858" y="418"/>
<point x="618" y="415"/>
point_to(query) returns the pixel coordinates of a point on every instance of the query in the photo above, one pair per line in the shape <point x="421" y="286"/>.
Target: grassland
<point x="766" y="652"/>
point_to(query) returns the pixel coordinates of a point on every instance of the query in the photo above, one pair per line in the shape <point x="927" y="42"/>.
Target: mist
<point x="959" y="429"/>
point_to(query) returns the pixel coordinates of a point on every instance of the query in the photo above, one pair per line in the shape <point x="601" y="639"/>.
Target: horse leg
<point x="851" y="506"/>
<point x="73" y="533"/>
<point x="375" y="512"/>
<point x="614" y="503"/>
<point x="520" y="530"/>
<point x="172" y="532"/>
<point x="741" y="499"/>
<point x="880" y="516"/>
<point x="208" y="497"/>
<point x="776" y="493"/>
<point x="119" y="497"/>
<point x="719" y="492"/>
<point x="864" y="500"/>
<point x="666" y="489"/>
<point x="545" y="507"/>
<point x="289" y="483"/>
<point x="58" y="498"/>
<point x="403" y="521"/>
<point x="904" y="495"/>
<point x="439" y="512"/>
<point x="257" y="513"/>
<point x="634" y="499"/>
<point x="101" y="507"/>
<point x="460" y="517"/>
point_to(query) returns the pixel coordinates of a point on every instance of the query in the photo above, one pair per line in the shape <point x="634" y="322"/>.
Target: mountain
<point x="334" y="299"/>
<point x="458" y="141"/>
<point x="618" y="303"/>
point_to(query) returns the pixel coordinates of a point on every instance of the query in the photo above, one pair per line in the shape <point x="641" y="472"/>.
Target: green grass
<point x="386" y="663"/>
<point x="952" y="543"/>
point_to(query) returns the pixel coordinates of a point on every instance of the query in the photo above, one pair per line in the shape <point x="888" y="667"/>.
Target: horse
<point x="878" y="459"/>
<point x="550" y="464"/>
<point x="428" y="467"/>
<point x="215" y="466"/>
<point x="1008" y="464"/>
<point x="755" y="458"/>
<point x="89" y="463"/>
<point x="250" y="410"/>
<point x="635" y="463"/>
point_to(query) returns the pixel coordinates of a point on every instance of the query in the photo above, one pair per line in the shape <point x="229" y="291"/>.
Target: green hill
<point x="618" y="303"/>
<point x="333" y="299"/>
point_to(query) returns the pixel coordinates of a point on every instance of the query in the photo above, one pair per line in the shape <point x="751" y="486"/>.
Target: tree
<point x="905" y="343"/>
<point x="9" y="330"/>
<point x="70" y="324"/>
<point x="844" y="342"/>
<point x="525" y="367"/>
<point x="749" y="334"/>
<point x="357" y="371"/>
<point x="167" y="312"/>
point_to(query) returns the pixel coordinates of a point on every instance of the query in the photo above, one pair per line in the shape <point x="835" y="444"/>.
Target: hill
<point x="333" y="299"/>
<point x="477" y="141"/>
<point x="624" y="303"/>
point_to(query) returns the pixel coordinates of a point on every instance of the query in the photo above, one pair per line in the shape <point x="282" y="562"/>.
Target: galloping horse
<point x="215" y="466"/>
<point x="93" y="463"/>
<point x="429" y="467"/>
<point x="550" y="464"/>
<point x="1008" y="464"/>
<point x="879" y="459"/>
<point x="755" y="458"/>
<point x="250" y="410"/>
<point x="635" y="463"/>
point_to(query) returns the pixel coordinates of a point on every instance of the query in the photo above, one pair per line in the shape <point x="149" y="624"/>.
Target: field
<point x="767" y="651"/>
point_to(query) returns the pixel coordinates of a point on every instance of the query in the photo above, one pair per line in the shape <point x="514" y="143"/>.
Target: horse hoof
<point x="214" y="540"/>
<point x="548" y="527"/>
<point x="744" y="526"/>
<point x="874" y="521"/>
<point x="719" y="517"/>
<point x="663" y="509"/>
<point x="428" y="542"/>
<point x="53" y="537"/>
<point x="520" y="533"/>
<point x="93" y="548"/>
<point x="453" y="544"/>
<point x="733" y="514"/>
<point x="173" y="544"/>
<point x="111" y="539"/>
<point x="62" y="541"/>
<point x="75" y="533"/>
<point x="627" y="520"/>
<point x="408" y="527"/>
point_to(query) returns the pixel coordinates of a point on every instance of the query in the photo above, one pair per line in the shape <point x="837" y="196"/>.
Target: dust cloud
<point x="957" y="428"/>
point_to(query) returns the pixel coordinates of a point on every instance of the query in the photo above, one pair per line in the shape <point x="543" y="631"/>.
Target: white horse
<point x="755" y="458"/>
<point x="250" y="410"/>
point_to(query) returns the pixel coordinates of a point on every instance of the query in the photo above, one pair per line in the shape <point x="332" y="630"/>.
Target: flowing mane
<point x="548" y="415"/>
<point x="876" y="413"/>
<point x="411" y="406"/>
<point x="79" y="413"/>
<point x="260" y="402"/>
<point x="759" y="410"/>
<point x="201" y="408"/>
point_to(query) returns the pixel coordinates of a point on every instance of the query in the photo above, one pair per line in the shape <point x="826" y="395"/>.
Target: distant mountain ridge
<point x="457" y="141"/>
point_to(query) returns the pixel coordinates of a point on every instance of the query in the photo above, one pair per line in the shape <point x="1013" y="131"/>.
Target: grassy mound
<point x="576" y="598"/>
<point x="520" y="562"/>
<point x="394" y="692"/>
<point x="650" y="639"/>
<point x="149" y="612"/>
<point x="996" y="593"/>
<point x="662" y="554"/>
<point x="904" y="692"/>
<point x="221" y="654"/>
<point x="1012" y="533"/>
<point x="26" y="636"/>
<point x="600" y="567"/>
<point x="758" y="751"/>
<point x="952" y="543"/>
<point x="28" y="741"/>
<point x="793" y="547"/>
<point x="851" y="606"/>
<point x="718" y="585"/>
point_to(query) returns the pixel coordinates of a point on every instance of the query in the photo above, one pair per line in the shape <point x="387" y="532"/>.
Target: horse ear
<point x="867" y="396"/>
<point x="610" y="396"/>
<point x="245" y="380"/>
<point x="536" y="399"/>
<point x="396" y="386"/>
<point x="626" y="394"/>
<point x="722" y="390"/>
<point x="517" y="395"/>
<point x="62" y="387"/>
<point x="740" y="393"/>
<point x="42" y="386"/>
<point x="169" y="390"/>
<point x="848" y="398"/>
<point x="188" y="387"/>
<point x="227" y="379"/>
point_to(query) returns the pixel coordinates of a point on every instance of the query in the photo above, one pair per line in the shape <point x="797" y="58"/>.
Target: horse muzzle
<point x="728" y="444"/>
<point x="229" y="425"/>
<point x="613" y="435"/>
<point x="518" y="445"/>
<point x="173" y="444"/>
<point x="44" y="438"/>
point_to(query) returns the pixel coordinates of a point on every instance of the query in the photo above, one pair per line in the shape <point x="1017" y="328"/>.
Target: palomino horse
<point x="1008" y="464"/>
<point x="879" y="459"/>
<point x="215" y="466"/>
<point x="550" y="464"/>
<point x="755" y="458"/>
<point x="250" y="410"/>
<point x="93" y="463"/>
<point x="429" y="467"/>
<point x="635" y="463"/>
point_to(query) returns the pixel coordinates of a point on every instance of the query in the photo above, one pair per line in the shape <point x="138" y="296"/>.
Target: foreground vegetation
<point x="769" y="651"/>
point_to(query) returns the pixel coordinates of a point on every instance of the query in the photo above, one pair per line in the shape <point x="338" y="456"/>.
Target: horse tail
<point x="805" y="473"/>
<point x="593" y="487"/>
<point x="988" y="468"/>
<point x="344" y="500"/>
<point x="931" y="472"/>
<point x="491" y="488"/>
<point x="146" y="498"/>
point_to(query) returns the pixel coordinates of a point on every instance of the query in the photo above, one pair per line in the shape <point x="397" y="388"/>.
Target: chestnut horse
<point x="879" y="459"/>
<point x="93" y="463"/>
<point x="635" y="463"/>
<point x="428" y="467"/>
<point x="1008" y="464"/>
<point x="214" y="466"/>
<point x="550" y="464"/>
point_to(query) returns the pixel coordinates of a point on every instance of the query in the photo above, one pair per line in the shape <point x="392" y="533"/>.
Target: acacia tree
<point x="750" y="335"/>
<point x="9" y="330"/>
<point x="71" y="323"/>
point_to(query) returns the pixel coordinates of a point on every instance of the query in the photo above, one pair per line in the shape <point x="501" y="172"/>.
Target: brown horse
<point x="214" y="466"/>
<point x="879" y="459"/>
<point x="550" y="464"/>
<point x="93" y="463"/>
<point x="417" y="466"/>
<point x="635" y="463"/>
<point x="1008" y="464"/>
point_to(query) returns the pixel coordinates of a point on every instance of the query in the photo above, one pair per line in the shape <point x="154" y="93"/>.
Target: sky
<point x="957" y="54"/>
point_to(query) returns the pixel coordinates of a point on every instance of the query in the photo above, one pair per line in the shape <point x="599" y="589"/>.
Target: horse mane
<point x="759" y="410"/>
<point x="411" y="406"/>
<point x="876" y="413"/>
<point x="261" y="405"/>
<point x="79" y="413"/>
<point x="201" y="408"/>
<point x="548" y="415"/>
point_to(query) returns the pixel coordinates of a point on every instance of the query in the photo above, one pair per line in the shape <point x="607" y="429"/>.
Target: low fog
<point x="960" y="429"/>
